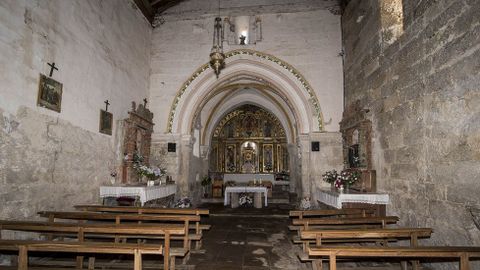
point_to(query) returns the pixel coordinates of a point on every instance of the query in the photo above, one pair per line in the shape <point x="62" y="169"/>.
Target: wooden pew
<point x="347" y="212"/>
<point x="87" y="230"/>
<point x="333" y="252"/>
<point x="25" y="246"/>
<point x="363" y="235"/>
<point x="119" y="218"/>
<point x="150" y="210"/>
<point x="328" y="213"/>
<point x="344" y="222"/>
<point x="318" y="237"/>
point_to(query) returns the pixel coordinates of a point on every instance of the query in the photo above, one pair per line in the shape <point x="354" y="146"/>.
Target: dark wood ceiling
<point x="151" y="7"/>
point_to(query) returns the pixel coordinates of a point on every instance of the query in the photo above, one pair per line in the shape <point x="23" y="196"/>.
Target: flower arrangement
<point x="183" y="203"/>
<point x="345" y="178"/>
<point x="151" y="173"/>
<point x="245" y="200"/>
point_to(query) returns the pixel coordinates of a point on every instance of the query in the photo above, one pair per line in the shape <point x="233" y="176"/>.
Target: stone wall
<point x="328" y="158"/>
<point x="417" y="72"/>
<point x="51" y="160"/>
<point x="305" y="34"/>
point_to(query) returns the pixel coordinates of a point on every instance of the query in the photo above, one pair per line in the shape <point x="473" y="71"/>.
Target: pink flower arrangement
<point x="344" y="178"/>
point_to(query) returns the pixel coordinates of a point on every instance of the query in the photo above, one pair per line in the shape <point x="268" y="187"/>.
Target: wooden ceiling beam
<point x="146" y="9"/>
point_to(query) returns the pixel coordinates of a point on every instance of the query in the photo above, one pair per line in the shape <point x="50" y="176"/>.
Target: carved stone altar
<point x="137" y="140"/>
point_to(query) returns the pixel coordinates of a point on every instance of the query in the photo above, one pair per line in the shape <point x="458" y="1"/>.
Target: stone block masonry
<point x="422" y="95"/>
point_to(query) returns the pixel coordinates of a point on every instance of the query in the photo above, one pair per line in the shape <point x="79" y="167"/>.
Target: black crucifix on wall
<point x="106" y="105"/>
<point x="52" y="67"/>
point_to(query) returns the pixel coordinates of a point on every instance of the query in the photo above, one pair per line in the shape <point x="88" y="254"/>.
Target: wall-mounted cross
<point x="52" y="67"/>
<point x="145" y="102"/>
<point x="106" y="105"/>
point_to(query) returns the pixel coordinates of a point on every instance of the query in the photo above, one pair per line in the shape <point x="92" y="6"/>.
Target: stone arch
<point x="237" y="98"/>
<point x="270" y="70"/>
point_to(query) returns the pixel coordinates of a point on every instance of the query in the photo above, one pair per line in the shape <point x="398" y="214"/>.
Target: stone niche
<point x="138" y="129"/>
<point x="356" y="131"/>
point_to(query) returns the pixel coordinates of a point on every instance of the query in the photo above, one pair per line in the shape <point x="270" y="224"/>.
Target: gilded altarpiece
<point x="249" y="140"/>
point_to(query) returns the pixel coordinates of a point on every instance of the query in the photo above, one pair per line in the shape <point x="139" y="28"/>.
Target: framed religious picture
<point x="106" y="121"/>
<point x="49" y="93"/>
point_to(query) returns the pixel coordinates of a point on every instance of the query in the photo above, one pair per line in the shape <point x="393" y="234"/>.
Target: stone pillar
<point x="328" y="158"/>
<point x="293" y="165"/>
<point x="304" y="159"/>
<point x="186" y="151"/>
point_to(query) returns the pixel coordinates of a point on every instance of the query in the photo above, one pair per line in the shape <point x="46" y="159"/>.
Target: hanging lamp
<point x="217" y="57"/>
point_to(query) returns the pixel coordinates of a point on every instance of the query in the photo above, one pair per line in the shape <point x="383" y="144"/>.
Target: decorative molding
<point x="306" y="86"/>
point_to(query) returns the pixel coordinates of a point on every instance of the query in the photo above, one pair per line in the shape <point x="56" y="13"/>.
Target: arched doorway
<point x="250" y="78"/>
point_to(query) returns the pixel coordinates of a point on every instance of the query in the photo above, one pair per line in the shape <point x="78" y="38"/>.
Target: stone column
<point x="293" y="165"/>
<point x="304" y="150"/>
<point x="186" y="151"/>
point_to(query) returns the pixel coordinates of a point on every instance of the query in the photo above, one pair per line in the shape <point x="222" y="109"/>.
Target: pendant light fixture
<point x="217" y="57"/>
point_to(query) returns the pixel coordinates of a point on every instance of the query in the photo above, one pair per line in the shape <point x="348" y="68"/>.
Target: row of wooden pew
<point x="335" y="234"/>
<point x="106" y="230"/>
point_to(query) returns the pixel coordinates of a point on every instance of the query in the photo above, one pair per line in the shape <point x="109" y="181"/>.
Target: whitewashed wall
<point x="305" y="34"/>
<point x="52" y="160"/>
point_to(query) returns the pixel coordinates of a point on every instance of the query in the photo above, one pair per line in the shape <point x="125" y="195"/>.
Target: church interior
<point x="240" y="134"/>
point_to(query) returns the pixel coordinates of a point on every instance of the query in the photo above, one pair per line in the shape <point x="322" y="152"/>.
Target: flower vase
<point x="150" y="183"/>
<point x="341" y="189"/>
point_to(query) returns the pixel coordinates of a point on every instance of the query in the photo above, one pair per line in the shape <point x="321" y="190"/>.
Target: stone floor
<point x="251" y="239"/>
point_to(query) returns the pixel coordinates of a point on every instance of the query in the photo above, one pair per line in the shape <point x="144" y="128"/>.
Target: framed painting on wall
<point x="49" y="93"/>
<point x="106" y="121"/>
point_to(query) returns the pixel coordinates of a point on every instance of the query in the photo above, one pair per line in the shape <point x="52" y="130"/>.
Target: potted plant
<point x="206" y="181"/>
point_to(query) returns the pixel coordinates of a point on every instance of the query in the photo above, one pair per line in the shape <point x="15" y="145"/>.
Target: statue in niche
<point x="248" y="159"/>
<point x="353" y="151"/>
<point x="230" y="158"/>
<point x="230" y="130"/>
<point x="249" y="125"/>
<point x="267" y="157"/>
<point x="267" y="130"/>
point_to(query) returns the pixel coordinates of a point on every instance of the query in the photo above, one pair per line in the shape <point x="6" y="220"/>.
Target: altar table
<point x="144" y="193"/>
<point x="247" y="177"/>
<point x="354" y="199"/>
<point x="255" y="190"/>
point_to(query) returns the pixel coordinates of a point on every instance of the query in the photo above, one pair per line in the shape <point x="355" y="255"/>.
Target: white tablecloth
<point x="247" y="177"/>
<point x="244" y="190"/>
<point x="336" y="199"/>
<point x="143" y="192"/>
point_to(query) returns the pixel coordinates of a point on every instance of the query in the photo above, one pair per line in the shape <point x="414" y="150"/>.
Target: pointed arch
<point x="276" y="73"/>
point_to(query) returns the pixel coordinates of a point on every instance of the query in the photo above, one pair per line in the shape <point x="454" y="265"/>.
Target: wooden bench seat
<point x="348" y="212"/>
<point x="333" y="252"/>
<point x="142" y="210"/>
<point x="85" y="230"/>
<point x="318" y="223"/>
<point x="25" y="246"/>
<point x="151" y="210"/>
<point x="120" y="218"/>
<point x="320" y="237"/>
